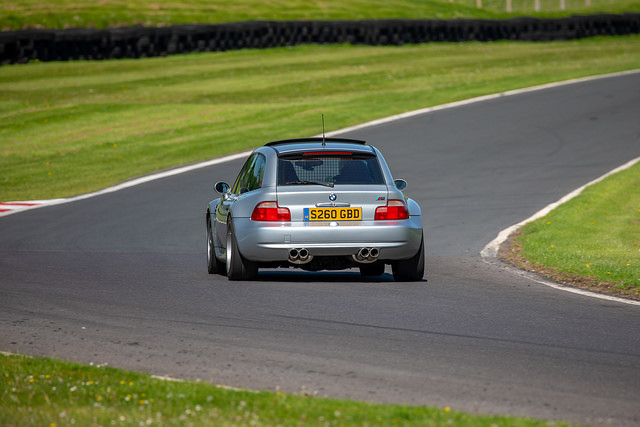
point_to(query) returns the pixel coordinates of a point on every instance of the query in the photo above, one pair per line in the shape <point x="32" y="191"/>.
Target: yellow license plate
<point x="332" y="214"/>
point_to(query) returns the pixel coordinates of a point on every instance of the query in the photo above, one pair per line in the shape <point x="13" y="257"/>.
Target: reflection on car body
<point x="315" y="204"/>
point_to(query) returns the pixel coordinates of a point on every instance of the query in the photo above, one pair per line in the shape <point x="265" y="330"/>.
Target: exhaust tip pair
<point x="366" y="255"/>
<point x="299" y="256"/>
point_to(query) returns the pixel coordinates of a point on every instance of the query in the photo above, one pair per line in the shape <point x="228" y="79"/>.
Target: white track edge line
<point x="133" y="182"/>
<point x="479" y="99"/>
<point x="490" y="251"/>
<point x="559" y="286"/>
<point x="184" y="169"/>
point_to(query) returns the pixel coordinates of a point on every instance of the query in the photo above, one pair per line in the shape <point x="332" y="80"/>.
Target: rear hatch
<point x="341" y="203"/>
<point x="329" y="185"/>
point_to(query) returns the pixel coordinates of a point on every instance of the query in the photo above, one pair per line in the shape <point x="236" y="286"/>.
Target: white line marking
<point x="490" y="251"/>
<point x="560" y="286"/>
<point x="477" y="99"/>
<point x="128" y="184"/>
<point x="165" y="378"/>
<point x="229" y="158"/>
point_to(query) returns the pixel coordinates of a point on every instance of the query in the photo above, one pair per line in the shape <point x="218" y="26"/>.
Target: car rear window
<point x="339" y="168"/>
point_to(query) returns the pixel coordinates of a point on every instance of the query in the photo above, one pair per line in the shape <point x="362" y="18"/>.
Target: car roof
<point x="291" y="146"/>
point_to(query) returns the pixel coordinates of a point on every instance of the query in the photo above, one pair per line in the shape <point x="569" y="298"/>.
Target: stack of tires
<point x="137" y="42"/>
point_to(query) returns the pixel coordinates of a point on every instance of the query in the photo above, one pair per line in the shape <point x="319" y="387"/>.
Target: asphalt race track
<point x="121" y="278"/>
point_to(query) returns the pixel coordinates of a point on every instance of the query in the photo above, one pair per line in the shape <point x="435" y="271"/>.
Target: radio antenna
<point x="323" y="139"/>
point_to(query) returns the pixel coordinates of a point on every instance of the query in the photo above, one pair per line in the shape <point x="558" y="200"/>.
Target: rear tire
<point x="238" y="268"/>
<point x="412" y="269"/>
<point x="373" y="269"/>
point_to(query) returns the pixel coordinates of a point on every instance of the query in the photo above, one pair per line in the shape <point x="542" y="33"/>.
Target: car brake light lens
<point x="270" y="211"/>
<point x="395" y="209"/>
<point x="328" y="153"/>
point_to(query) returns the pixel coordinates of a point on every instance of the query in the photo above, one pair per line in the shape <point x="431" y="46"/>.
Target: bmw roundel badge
<point x="332" y="197"/>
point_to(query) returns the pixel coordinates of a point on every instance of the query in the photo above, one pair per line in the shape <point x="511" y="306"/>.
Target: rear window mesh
<point x="338" y="170"/>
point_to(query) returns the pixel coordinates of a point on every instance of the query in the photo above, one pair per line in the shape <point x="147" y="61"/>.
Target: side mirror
<point x="400" y="184"/>
<point x="222" y="187"/>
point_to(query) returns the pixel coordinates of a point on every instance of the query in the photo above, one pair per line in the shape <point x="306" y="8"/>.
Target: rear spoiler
<point x="303" y="140"/>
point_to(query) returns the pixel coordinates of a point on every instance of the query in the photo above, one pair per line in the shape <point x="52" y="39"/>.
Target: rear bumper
<point x="268" y="242"/>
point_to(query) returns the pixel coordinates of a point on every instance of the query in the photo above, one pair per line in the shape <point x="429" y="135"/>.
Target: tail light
<point x="395" y="209"/>
<point x="270" y="211"/>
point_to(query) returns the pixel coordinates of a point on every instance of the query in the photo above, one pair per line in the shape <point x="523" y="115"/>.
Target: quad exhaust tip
<point x="364" y="255"/>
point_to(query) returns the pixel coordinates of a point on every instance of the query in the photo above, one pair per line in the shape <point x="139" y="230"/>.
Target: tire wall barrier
<point x="17" y="47"/>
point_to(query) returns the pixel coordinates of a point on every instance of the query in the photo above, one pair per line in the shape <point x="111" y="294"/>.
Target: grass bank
<point x="19" y="14"/>
<point x="592" y="242"/>
<point x="75" y="127"/>
<point x="41" y="391"/>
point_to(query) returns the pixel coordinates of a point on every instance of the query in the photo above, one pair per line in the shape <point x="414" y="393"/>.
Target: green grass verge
<point x="593" y="240"/>
<point x="19" y="14"/>
<point x="75" y="127"/>
<point x="42" y="391"/>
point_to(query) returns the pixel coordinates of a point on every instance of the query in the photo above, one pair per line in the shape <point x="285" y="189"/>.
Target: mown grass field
<point x="49" y="392"/>
<point x="19" y="14"/>
<point x="75" y="127"/>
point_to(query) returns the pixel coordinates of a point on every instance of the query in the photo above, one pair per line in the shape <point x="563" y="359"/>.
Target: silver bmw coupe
<point x="315" y="204"/>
